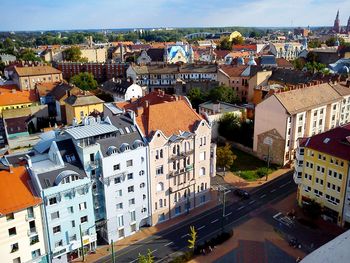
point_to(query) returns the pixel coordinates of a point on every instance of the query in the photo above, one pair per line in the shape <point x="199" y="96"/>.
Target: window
<point x="130" y="189"/>
<point x="160" y="187"/>
<point x="52" y="201"/>
<point x="35" y="253"/>
<point x="16" y="260"/>
<point x="161" y="153"/>
<point x="82" y="206"/>
<point x="117" y="180"/>
<point x="10" y="216"/>
<point x="130" y="176"/>
<point x="202" y="156"/>
<point x="116" y="167"/>
<point x="121" y="233"/>
<point x="128" y="163"/>
<point x="133" y="216"/>
<point x="56" y="229"/>
<point x="161" y="217"/>
<point x="132" y="201"/>
<point x="159" y="170"/>
<point x="55" y="215"/>
<point x="120" y="206"/>
<point x="142" y="185"/>
<point x="202" y="199"/>
<point x="142" y="172"/>
<point x="160" y="203"/>
<point x="178" y="210"/>
<point x="119" y="192"/>
<point x="34" y="240"/>
<point x="73" y="223"/>
<point x="120" y="221"/>
<point x="59" y="243"/>
<point x="83" y="219"/>
<point x="133" y="228"/>
<point x="144" y="197"/>
<point x="14" y="247"/>
<point x="12" y="231"/>
<point x="202" y="171"/>
<point x="70" y="210"/>
<point x="73" y="238"/>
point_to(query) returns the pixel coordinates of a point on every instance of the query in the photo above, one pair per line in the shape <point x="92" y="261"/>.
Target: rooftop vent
<point x="326" y="140"/>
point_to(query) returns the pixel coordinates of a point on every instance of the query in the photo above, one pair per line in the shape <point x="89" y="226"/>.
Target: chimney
<point x="139" y="111"/>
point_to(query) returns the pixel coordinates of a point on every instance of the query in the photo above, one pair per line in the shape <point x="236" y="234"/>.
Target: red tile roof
<point x="283" y="63"/>
<point x="164" y="112"/>
<point x="10" y="95"/>
<point x="16" y="194"/>
<point x="244" y="47"/>
<point x="233" y="71"/>
<point x="335" y="142"/>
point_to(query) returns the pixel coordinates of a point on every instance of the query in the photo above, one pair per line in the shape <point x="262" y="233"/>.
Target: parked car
<point x="242" y="193"/>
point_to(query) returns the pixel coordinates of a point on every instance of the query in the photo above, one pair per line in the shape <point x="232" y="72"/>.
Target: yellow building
<point x="322" y="172"/>
<point x="80" y="106"/>
<point x="235" y="34"/>
<point x="12" y="98"/>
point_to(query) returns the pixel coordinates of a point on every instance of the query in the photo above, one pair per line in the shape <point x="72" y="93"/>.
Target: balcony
<point x="181" y="155"/>
<point x="93" y="164"/>
<point x="30" y="217"/>
<point x="32" y="231"/>
<point x="189" y="168"/>
<point x="297" y="177"/>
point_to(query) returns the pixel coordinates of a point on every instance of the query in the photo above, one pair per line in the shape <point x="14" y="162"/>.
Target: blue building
<point x="58" y="175"/>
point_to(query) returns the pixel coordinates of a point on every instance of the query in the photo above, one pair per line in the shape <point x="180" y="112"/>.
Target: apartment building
<point x="168" y="75"/>
<point x="115" y="155"/>
<point x="181" y="156"/>
<point x="21" y="236"/>
<point x="27" y="77"/>
<point x="59" y="176"/>
<point x="283" y="118"/>
<point x="322" y="173"/>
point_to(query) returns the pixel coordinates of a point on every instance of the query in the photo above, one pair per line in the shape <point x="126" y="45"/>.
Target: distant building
<point x="122" y="90"/>
<point x="321" y="172"/>
<point x="7" y="58"/>
<point x="27" y="77"/>
<point x="215" y="110"/>
<point x="12" y="98"/>
<point x="178" y="53"/>
<point x="336" y="26"/>
<point x="21" y="223"/>
<point x="151" y="56"/>
<point x="80" y="106"/>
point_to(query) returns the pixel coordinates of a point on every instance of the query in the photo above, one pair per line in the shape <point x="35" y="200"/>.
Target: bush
<point x="217" y="240"/>
<point x="263" y="171"/>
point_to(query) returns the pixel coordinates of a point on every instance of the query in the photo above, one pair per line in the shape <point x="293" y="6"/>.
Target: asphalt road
<point x="207" y="224"/>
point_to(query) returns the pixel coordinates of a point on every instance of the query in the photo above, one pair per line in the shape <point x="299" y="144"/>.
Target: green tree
<point x="223" y="93"/>
<point x="311" y="57"/>
<point x="315" y="43"/>
<point x="148" y="258"/>
<point x="331" y="41"/>
<point x="84" y="81"/>
<point x="315" y="67"/>
<point x="193" y="238"/>
<point x="225" y="157"/>
<point x="225" y="44"/>
<point x="237" y="40"/>
<point x="28" y="55"/>
<point x="196" y="97"/>
<point x="298" y="63"/>
<point x="73" y="54"/>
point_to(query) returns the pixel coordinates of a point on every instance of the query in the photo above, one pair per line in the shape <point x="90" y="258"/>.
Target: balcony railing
<point x="297" y="177"/>
<point x="181" y="155"/>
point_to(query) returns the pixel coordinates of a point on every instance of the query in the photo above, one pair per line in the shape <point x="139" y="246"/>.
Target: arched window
<point x="142" y="185"/>
<point x="160" y="203"/>
<point x="174" y="149"/>
<point x="160" y="187"/>
<point x="202" y="171"/>
<point x="161" y="153"/>
<point x="202" y="186"/>
<point x="142" y="172"/>
<point x="178" y="150"/>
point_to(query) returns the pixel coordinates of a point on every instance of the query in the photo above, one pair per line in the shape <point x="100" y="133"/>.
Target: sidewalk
<point x="103" y="251"/>
<point x="239" y="182"/>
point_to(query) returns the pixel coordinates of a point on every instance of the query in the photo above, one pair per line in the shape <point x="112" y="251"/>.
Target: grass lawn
<point x="248" y="166"/>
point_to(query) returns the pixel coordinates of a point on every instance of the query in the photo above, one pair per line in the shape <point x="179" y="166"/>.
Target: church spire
<point x="336" y="27"/>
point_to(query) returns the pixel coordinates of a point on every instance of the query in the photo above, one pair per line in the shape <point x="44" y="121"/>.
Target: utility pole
<point x="268" y="161"/>
<point x="224" y="208"/>
<point x="113" y="259"/>
<point x="81" y="241"/>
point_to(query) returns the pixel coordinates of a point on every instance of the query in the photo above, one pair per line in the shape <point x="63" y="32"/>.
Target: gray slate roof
<point x="80" y="132"/>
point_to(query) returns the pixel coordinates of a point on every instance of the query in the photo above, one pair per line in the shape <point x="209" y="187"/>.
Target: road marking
<point x="134" y="260"/>
<point x="239" y="208"/>
<point x="229" y="214"/>
<point x="283" y="185"/>
<point x="199" y="228"/>
<point x="184" y="236"/>
<point x="154" y="251"/>
<point x="214" y="221"/>
<point x="273" y="190"/>
<point x="169" y="244"/>
<point x="262" y="196"/>
<point x="251" y="202"/>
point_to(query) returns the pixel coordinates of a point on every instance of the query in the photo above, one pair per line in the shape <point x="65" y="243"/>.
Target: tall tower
<point x="336" y="27"/>
<point x="348" y="26"/>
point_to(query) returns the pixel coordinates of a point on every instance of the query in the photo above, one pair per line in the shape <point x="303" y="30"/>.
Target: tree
<point x="298" y="63"/>
<point x="193" y="238"/>
<point x="225" y="44"/>
<point x="315" y="67"/>
<point x="28" y="55"/>
<point x="196" y="97"/>
<point x="223" y="93"/>
<point x="331" y="41"/>
<point x="84" y="81"/>
<point x="74" y="54"/>
<point x="225" y="157"/>
<point x="315" y="43"/>
<point x="238" y="40"/>
<point x="148" y="258"/>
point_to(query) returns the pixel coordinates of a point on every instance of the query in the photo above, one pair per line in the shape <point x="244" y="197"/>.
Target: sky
<point x="104" y="14"/>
